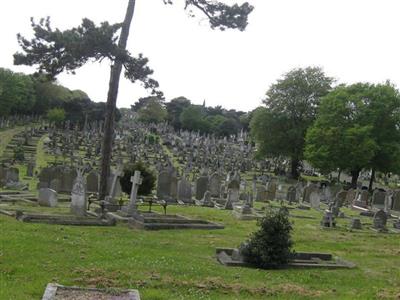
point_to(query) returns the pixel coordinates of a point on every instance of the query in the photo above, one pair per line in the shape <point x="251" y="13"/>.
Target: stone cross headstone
<point x="136" y="181"/>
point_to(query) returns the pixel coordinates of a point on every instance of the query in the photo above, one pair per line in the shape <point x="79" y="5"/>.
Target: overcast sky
<point x="353" y="40"/>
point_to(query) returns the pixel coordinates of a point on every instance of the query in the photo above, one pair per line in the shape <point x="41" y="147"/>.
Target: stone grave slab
<point x="231" y="258"/>
<point x="155" y="221"/>
<point x="59" y="292"/>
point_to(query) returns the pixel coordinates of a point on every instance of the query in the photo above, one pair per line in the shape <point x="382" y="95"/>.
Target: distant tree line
<point x="36" y="94"/>
<point x="182" y="114"/>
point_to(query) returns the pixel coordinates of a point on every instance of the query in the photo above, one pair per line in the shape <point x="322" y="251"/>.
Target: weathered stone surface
<point x="47" y="197"/>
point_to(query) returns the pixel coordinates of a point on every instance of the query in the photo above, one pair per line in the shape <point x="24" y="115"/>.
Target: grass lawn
<point x="180" y="264"/>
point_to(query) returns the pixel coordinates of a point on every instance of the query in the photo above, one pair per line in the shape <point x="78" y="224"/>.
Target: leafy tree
<point x="152" y="112"/>
<point x="17" y="94"/>
<point x="56" y="116"/>
<point x="291" y="107"/>
<point x="193" y="118"/>
<point x="357" y="127"/>
<point x="148" y="179"/>
<point x="55" y="51"/>
<point x="270" y="246"/>
<point x="174" y="108"/>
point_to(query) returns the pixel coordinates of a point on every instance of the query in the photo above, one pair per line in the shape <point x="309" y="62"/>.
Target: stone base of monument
<point x="245" y="213"/>
<point x="230" y="257"/>
<point x="58" y="292"/>
<point x="63" y="219"/>
<point x="155" y="221"/>
<point x="204" y="204"/>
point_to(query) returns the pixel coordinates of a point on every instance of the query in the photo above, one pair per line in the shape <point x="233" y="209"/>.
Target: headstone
<point x="184" y="191"/>
<point x="378" y="199"/>
<point x="12" y="175"/>
<point x="136" y="181"/>
<point x="29" y="169"/>
<point x="47" y="197"/>
<point x="271" y="191"/>
<point x="55" y="184"/>
<point x="355" y="223"/>
<point x="379" y="220"/>
<point x="351" y="196"/>
<point x="215" y="185"/>
<point x="202" y="185"/>
<point x="315" y="199"/>
<point x="291" y="195"/>
<point x="396" y="200"/>
<point x="93" y="182"/>
<point x="164" y="186"/>
<point x="78" y="195"/>
<point x="261" y="194"/>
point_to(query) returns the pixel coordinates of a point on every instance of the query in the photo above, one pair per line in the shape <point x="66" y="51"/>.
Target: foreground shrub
<point x="270" y="246"/>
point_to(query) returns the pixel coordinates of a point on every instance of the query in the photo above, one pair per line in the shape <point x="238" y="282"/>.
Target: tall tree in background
<point x="290" y="108"/>
<point x="56" y="51"/>
<point x="357" y="127"/>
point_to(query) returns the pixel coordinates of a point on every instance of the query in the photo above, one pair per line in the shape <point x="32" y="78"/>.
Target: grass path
<point x="6" y="136"/>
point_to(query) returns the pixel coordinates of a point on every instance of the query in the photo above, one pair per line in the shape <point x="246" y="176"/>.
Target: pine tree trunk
<point x="108" y="132"/>
<point x="354" y="178"/>
<point x="295" y="168"/>
<point x="371" y="181"/>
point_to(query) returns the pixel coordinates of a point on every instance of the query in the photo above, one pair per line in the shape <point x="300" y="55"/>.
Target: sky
<point x="352" y="40"/>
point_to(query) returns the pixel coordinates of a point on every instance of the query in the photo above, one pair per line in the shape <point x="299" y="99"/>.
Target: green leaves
<point x="356" y="128"/>
<point x="291" y="107"/>
<point x="220" y="15"/>
<point x="55" y="51"/>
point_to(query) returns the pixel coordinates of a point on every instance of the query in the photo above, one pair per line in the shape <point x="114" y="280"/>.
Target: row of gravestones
<point x="61" y="179"/>
<point x="170" y="189"/>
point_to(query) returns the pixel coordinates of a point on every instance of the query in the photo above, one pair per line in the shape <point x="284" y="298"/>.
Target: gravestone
<point x="380" y="220"/>
<point x="132" y="206"/>
<point x="396" y="200"/>
<point x="355" y="223"/>
<point x="2" y="176"/>
<point x="55" y="184"/>
<point x="164" y="186"/>
<point x="78" y="195"/>
<point x="29" y="169"/>
<point x="351" y="196"/>
<point x="230" y="199"/>
<point x="271" y="191"/>
<point x="47" y="197"/>
<point x="362" y="199"/>
<point x="340" y="198"/>
<point x="67" y="180"/>
<point x="12" y="175"/>
<point x="307" y="192"/>
<point x="215" y="185"/>
<point x="184" y="191"/>
<point x="92" y="181"/>
<point x="378" y="199"/>
<point x="315" y="199"/>
<point x="291" y="195"/>
<point x="201" y="186"/>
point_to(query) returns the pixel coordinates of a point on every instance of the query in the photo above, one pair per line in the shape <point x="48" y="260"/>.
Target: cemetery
<point x="206" y="200"/>
<point x="297" y="198"/>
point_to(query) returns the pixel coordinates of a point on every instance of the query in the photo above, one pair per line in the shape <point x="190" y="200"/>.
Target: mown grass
<point x="180" y="264"/>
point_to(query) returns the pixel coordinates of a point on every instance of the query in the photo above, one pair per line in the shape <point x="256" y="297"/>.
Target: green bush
<point x="148" y="179"/>
<point x="270" y="246"/>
